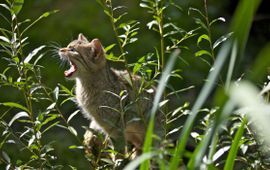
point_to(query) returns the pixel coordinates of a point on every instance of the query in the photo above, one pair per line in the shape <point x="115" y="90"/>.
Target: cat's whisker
<point x="54" y="45"/>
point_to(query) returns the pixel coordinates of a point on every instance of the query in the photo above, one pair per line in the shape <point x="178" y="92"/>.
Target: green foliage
<point x="37" y="112"/>
<point x="221" y="124"/>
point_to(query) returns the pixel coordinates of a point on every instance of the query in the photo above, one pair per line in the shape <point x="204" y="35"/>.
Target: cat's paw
<point x="93" y="142"/>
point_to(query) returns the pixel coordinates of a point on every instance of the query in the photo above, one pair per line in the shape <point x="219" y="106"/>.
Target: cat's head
<point x="83" y="56"/>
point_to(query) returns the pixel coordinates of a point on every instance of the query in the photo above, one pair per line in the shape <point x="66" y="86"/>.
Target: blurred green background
<point x="87" y="17"/>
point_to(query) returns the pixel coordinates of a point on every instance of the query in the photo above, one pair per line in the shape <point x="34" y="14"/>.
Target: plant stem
<point x="161" y="33"/>
<point x="209" y="30"/>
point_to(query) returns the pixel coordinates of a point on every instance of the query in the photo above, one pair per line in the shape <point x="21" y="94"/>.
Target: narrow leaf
<point x="108" y="48"/>
<point x="222" y="39"/>
<point x="56" y="93"/>
<point x="235" y="146"/>
<point x="16" y="105"/>
<point x="5" y="6"/>
<point x="17" y="116"/>
<point x="72" y="130"/>
<point x="72" y="115"/>
<point x="136" y="162"/>
<point x="202" y="52"/>
<point x="32" y="54"/>
<point x="217" y="19"/>
<point x="5" y="39"/>
<point x="5" y="156"/>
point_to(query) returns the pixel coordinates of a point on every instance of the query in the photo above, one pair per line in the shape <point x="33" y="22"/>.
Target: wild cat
<point x="97" y="90"/>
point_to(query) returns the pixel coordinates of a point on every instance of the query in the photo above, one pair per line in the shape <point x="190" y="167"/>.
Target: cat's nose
<point x="63" y="49"/>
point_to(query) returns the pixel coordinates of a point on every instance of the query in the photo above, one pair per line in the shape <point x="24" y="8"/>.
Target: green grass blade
<point x="135" y="163"/>
<point x="160" y="89"/>
<point x="235" y="146"/>
<point x="211" y="134"/>
<point x="207" y="88"/>
<point x="242" y="20"/>
<point x="231" y="66"/>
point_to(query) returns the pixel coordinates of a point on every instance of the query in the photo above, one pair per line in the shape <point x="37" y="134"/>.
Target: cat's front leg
<point x="94" y="139"/>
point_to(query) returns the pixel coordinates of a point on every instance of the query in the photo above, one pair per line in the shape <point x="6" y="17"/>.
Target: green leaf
<point x="16" y="6"/>
<point x="51" y="126"/>
<point x="235" y="146"/>
<point x="17" y="116"/>
<point x="16" y="105"/>
<point x="49" y="119"/>
<point x="203" y="37"/>
<point x="108" y="48"/>
<point x="202" y="52"/>
<point x="75" y="147"/>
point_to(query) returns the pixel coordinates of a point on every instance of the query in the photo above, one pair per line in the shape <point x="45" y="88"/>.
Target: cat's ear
<point x="97" y="46"/>
<point x="81" y="37"/>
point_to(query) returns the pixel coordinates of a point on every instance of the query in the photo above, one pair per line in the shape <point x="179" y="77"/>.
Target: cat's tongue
<point x="72" y="69"/>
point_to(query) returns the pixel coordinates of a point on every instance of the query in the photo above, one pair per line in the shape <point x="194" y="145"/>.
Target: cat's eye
<point x="72" y="49"/>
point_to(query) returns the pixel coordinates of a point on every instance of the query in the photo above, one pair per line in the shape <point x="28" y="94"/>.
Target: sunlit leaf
<point x="5" y="156"/>
<point x="5" y="6"/>
<point x="16" y="105"/>
<point x="222" y="39"/>
<point x="135" y="163"/>
<point x="202" y="52"/>
<point x="203" y="37"/>
<point x="72" y="130"/>
<point x="17" y="116"/>
<point x="17" y="6"/>
<point x="33" y="53"/>
<point x="217" y="19"/>
<point x="144" y="5"/>
<point x="51" y="106"/>
<point x="56" y="93"/>
<point x="72" y="115"/>
<point x="5" y="39"/>
<point x="108" y="48"/>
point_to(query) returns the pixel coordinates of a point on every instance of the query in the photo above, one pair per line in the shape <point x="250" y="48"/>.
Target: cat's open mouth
<point x="71" y="70"/>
